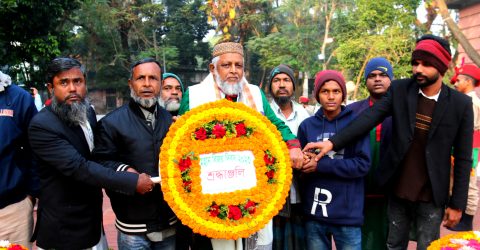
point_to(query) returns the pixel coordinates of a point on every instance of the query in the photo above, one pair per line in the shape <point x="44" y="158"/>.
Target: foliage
<point x="31" y="34"/>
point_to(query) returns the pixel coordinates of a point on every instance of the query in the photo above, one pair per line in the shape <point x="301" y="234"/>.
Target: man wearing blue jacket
<point x="333" y="187"/>
<point x="18" y="181"/>
<point x="378" y="76"/>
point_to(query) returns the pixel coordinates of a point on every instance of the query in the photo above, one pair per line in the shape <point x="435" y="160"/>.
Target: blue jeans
<point x="141" y="242"/>
<point x="403" y="213"/>
<point x="319" y="236"/>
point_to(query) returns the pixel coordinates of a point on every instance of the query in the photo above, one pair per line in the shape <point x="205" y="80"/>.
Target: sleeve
<point x="287" y="135"/>
<point x="38" y="102"/>
<point x="184" y="104"/>
<point x="31" y="175"/>
<point x="462" y="151"/>
<point x="352" y="167"/>
<point x="106" y="148"/>
<point x="364" y="122"/>
<point x="56" y="151"/>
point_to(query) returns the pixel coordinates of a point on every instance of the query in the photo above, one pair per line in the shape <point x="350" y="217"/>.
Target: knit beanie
<point x="167" y="75"/>
<point x="324" y="76"/>
<point x="432" y="51"/>
<point x="282" y="68"/>
<point x="381" y="64"/>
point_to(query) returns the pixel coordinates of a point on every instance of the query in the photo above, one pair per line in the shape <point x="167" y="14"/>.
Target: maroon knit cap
<point x="431" y="51"/>
<point x="326" y="75"/>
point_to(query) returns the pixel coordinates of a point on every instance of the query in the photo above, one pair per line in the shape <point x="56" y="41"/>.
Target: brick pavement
<point x="111" y="231"/>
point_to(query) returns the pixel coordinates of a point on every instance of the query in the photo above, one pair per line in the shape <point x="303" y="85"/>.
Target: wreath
<point x="463" y="240"/>
<point x="225" y="170"/>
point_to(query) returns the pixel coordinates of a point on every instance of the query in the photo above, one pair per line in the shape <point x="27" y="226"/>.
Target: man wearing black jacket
<point x="429" y="121"/>
<point x="70" y="202"/>
<point x="129" y="139"/>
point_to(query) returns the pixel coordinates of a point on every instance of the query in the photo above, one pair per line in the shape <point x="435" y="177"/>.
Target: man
<point x="171" y="94"/>
<point x="226" y="80"/>
<point x="129" y="139"/>
<point x="288" y="230"/>
<point x="18" y="179"/>
<point x="467" y="78"/>
<point x="429" y="119"/>
<point x="70" y="202"/>
<point x="378" y="76"/>
<point x="333" y="187"/>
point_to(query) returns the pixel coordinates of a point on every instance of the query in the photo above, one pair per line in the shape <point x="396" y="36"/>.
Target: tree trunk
<point x="305" y="84"/>
<point x="457" y="33"/>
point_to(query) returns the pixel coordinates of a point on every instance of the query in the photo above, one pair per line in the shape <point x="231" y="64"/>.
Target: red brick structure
<point x="469" y="23"/>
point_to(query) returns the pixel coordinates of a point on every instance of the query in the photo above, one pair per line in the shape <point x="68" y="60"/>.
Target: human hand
<point x="144" y="183"/>
<point x="310" y="167"/>
<point x="451" y="217"/>
<point x="296" y="156"/>
<point x="324" y="147"/>
<point x="175" y="118"/>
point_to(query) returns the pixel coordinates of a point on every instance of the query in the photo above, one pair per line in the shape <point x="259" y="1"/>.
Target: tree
<point x="32" y="33"/>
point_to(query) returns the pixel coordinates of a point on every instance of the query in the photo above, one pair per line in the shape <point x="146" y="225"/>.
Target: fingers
<point x="311" y="145"/>
<point x="144" y="184"/>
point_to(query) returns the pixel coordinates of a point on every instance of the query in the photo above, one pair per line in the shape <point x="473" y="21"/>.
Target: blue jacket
<point x="334" y="194"/>
<point x="17" y="168"/>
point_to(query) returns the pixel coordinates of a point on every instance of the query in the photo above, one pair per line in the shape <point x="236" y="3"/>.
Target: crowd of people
<point x="369" y="175"/>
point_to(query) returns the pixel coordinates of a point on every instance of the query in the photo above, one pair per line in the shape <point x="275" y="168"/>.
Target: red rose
<point x="218" y="130"/>
<point x="201" y="134"/>
<point x="270" y="174"/>
<point x="241" y="129"/>
<point x="251" y="207"/>
<point x="15" y="247"/>
<point x="269" y="160"/>
<point x="187" y="185"/>
<point x="214" y="210"/>
<point x="184" y="164"/>
<point x="234" y="212"/>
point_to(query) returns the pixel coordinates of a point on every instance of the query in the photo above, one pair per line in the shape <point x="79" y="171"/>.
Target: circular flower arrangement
<point x="6" y="245"/>
<point x="224" y="127"/>
<point x="464" y="241"/>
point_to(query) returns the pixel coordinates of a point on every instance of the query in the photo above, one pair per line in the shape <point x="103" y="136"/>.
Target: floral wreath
<point x="6" y="245"/>
<point x="463" y="240"/>
<point x="219" y="127"/>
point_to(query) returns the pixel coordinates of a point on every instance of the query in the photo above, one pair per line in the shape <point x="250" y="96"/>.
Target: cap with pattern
<point x="227" y="47"/>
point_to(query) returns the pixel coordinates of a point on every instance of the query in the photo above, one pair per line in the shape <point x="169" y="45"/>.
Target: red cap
<point x="303" y="99"/>
<point x="470" y="70"/>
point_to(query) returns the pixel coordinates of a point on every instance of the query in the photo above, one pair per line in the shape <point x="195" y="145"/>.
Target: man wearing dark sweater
<point x="429" y="120"/>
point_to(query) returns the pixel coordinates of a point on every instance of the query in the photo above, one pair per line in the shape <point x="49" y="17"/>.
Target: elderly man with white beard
<point x="226" y="80"/>
<point x="129" y="139"/>
<point x="171" y="93"/>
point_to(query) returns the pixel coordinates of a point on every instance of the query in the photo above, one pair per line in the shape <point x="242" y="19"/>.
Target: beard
<point x="228" y="88"/>
<point x="171" y="104"/>
<point x="428" y="81"/>
<point x="72" y="114"/>
<point x="144" y="102"/>
<point x="282" y="100"/>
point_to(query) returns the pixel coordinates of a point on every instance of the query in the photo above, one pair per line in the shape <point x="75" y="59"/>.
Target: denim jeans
<point x="319" y="236"/>
<point x="402" y="213"/>
<point x="141" y="242"/>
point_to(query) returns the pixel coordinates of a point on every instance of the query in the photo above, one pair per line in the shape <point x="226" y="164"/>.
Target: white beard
<point x="144" y="102"/>
<point x="228" y="88"/>
<point x="169" y="104"/>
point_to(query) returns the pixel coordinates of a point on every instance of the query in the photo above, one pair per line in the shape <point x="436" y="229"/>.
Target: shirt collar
<point x="433" y="97"/>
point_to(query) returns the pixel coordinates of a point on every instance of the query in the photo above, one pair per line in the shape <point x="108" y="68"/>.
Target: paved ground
<point x="111" y="232"/>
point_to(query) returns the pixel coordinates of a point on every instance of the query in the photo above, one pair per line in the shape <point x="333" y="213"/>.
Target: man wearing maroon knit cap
<point x="429" y="121"/>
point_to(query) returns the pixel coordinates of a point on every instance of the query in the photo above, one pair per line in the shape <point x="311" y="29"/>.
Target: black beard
<point x="71" y="114"/>
<point x="282" y="100"/>
<point x="428" y="81"/>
